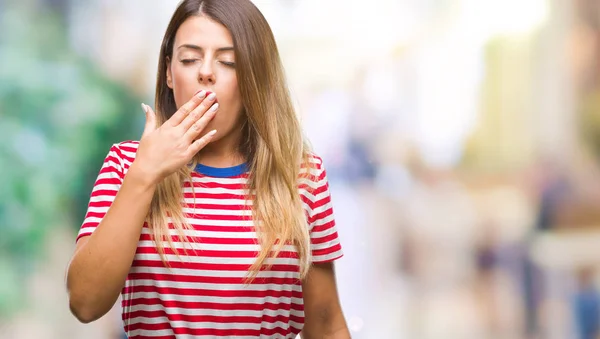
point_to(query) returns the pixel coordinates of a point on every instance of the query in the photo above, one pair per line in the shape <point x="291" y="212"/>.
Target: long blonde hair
<point x="272" y="141"/>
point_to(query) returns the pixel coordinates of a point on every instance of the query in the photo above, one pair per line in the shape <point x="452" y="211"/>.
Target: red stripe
<point x="320" y="216"/>
<point x="219" y="207"/>
<point x="321" y="202"/>
<point x="108" y="193"/>
<point x="193" y="305"/>
<point x="208" y="318"/>
<point x="90" y="224"/>
<point x="108" y="181"/>
<point x="110" y="169"/>
<point x="324" y="227"/>
<point x="205" y="195"/>
<point x="130" y="149"/>
<point x="305" y="199"/>
<point x="85" y="234"/>
<point x="326" y="251"/>
<point x="208" y="240"/>
<point x="212" y="280"/>
<point x="212" y="253"/>
<point x="220" y="217"/>
<point x="327" y="238"/>
<point x="211" y="267"/>
<point x="213" y="293"/>
<point x="203" y="253"/>
<point x="212" y="184"/>
<point x="320" y="189"/>
<point x="216" y="228"/>
<point x="100" y="203"/>
<point x="214" y="332"/>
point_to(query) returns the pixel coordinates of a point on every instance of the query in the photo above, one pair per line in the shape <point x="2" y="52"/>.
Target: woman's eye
<point x="188" y="61"/>
<point x="228" y="64"/>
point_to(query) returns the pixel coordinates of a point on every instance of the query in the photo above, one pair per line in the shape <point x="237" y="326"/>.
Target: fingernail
<point x="211" y="96"/>
<point x="211" y="133"/>
<point x="144" y="108"/>
<point x="214" y="107"/>
<point x="201" y="94"/>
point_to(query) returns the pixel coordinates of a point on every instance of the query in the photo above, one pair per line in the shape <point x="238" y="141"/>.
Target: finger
<point x="194" y="131"/>
<point x="197" y="145"/>
<point x="150" y="125"/>
<point x="186" y="109"/>
<point x="198" y="112"/>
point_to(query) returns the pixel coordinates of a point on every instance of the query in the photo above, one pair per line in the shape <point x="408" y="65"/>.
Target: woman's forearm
<point x="99" y="268"/>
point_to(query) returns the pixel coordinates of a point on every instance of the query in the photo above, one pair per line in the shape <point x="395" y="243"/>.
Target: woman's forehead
<point x="203" y="32"/>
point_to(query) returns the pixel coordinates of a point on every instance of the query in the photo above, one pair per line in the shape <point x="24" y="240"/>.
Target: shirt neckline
<point x="222" y="172"/>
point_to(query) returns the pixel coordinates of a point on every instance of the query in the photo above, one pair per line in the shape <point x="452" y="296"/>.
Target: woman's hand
<point x="165" y="149"/>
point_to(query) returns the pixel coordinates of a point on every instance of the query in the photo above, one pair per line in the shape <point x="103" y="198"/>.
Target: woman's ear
<point x="169" y="75"/>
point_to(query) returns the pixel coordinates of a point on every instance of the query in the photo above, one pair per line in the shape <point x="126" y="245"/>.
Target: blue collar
<point x="224" y="172"/>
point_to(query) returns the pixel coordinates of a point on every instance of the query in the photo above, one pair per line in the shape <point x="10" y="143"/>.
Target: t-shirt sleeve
<point x="104" y="191"/>
<point x="324" y="239"/>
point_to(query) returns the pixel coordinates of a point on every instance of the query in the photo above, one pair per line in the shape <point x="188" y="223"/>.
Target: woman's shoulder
<point x="127" y="145"/>
<point x="312" y="168"/>
<point x="313" y="162"/>
<point x="124" y="151"/>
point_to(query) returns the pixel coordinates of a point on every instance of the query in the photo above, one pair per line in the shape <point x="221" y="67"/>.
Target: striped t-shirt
<point x="203" y="293"/>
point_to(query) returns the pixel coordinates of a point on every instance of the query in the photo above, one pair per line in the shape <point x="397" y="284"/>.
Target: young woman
<point x="218" y="222"/>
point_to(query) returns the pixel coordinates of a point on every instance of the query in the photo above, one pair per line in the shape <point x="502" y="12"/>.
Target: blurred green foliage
<point x="58" y="117"/>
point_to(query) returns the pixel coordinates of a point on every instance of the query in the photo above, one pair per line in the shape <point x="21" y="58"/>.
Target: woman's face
<point x="203" y="59"/>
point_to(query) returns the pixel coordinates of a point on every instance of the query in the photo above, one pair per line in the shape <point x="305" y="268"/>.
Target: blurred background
<point x="461" y="137"/>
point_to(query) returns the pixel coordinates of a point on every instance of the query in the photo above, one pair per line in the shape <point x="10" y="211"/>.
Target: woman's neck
<point x="224" y="152"/>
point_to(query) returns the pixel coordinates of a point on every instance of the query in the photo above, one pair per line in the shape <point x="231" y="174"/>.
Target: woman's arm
<point x="323" y="317"/>
<point x="101" y="262"/>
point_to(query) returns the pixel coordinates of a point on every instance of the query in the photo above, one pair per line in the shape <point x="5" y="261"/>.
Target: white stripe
<point x="126" y="165"/>
<point x="131" y="143"/>
<point x="208" y="286"/>
<point x="214" y="260"/>
<point x="211" y="211"/>
<point x="102" y="198"/>
<point x="111" y="163"/>
<point x="325" y="245"/>
<point x="129" y="154"/>
<point x="218" y="222"/>
<point x="215" y="190"/>
<point x="223" y="202"/>
<point x="108" y="187"/>
<point x="324" y="233"/>
<point x="220" y="313"/>
<point x="92" y="220"/>
<point x="150" y="333"/>
<point x="228" y="181"/>
<point x="86" y="230"/>
<point x="211" y="273"/>
<point x="214" y="247"/>
<point x="208" y="234"/>
<point x="321" y="209"/>
<point x="97" y="209"/>
<point x="315" y="198"/>
<point x="210" y="324"/>
<point x="109" y="175"/>
<point x="209" y="299"/>
<point x="321" y="196"/>
<point x="328" y="257"/>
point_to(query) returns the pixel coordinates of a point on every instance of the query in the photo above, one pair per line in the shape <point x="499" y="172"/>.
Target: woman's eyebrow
<point x="200" y="49"/>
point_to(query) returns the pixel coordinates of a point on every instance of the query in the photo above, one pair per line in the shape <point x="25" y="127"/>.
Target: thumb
<point x="150" y="120"/>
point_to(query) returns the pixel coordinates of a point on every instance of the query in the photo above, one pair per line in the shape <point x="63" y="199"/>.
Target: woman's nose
<point x="206" y="74"/>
